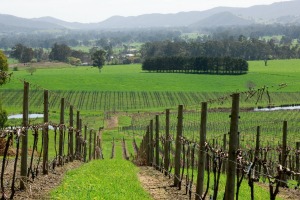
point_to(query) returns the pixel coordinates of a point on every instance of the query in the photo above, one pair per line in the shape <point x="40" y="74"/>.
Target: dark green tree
<point x="3" y="69"/>
<point x="3" y="117"/>
<point x="39" y="54"/>
<point x="60" y="52"/>
<point x="98" y="58"/>
<point x="3" y="79"/>
<point x="22" y="53"/>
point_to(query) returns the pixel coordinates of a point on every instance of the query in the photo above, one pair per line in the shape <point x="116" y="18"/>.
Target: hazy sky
<point x="99" y="10"/>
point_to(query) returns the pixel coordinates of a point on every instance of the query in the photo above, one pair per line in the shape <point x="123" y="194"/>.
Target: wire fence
<point x="50" y="145"/>
<point x="266" y="149"/>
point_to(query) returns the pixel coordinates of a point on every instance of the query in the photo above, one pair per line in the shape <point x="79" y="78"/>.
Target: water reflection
<point x="20" y="116"/>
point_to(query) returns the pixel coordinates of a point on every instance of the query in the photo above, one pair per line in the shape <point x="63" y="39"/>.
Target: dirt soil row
<point x="160" y="187"/>
<point x="43" y="184"/>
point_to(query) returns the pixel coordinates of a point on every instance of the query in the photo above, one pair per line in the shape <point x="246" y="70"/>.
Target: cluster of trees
<point x="3" y="68"/>
<point x="3" y="79"/>
<point x="242" y="47"/>
<point x="201" y="65"/>
<point x="255" y="31"/>
<point x="64" y="53"/>
<point x="59" y="52"/>
<point x="26" y="54"/>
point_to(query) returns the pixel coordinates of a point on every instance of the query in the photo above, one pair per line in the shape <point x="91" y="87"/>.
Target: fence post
<point x="97" y="148"/>
<point x="71" y="131"/>
<point x="85" y="143"/>
<point x="167" y="144"/>
<point x="233" y="147"/>
<point x="90" y="145"/>
<point x="95" y="145"/>
<point x="151" y="143"/>
<point x="80" y="138"/>
<point x="148" y="146"/>
<point x="25" y="137"/>
<point x="202" y="152"/>
<point x="45" y="132"/>
<point x="224" y="149"/>
<point x="61" y="131"/>
<point x="157" y="141"/>
<point x="284" y="152"/>
<point x="256" y="154"/>
<point x="178" y="146"/>
<point x="77" y="152"/>
<point x="297" y="162"/>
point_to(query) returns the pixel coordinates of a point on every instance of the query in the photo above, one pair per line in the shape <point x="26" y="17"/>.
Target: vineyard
<point x="50" y="146"/>
<point x="251" y="147"/>
<point x="267" y="148"/>
<point x="189" y="145"/>
<point x="134" y="101"/>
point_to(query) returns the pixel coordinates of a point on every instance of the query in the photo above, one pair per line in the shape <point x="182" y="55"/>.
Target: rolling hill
<point x="282" y="12"/>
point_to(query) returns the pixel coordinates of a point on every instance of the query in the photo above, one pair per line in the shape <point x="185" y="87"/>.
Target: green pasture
<point x="132" y="78"/>
<point x="127" y="88"/>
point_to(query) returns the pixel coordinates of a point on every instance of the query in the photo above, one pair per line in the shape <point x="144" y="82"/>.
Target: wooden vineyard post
<point x="256" y="155"/>
<point x="85" y="143"/>
<point x="202" y="152"/>
<point x="90" y="145"/>
<point x="95" y="137"/>
<point x="61" y="131"/>
<point x="151" y="143"/>
<point x="45" y="132"/>
<point x="25" y="137"/>
<point x="224" y="149"/>
<point x="148" y="146"/>
<point x="77" y="152"/>
<point x="80" y="139"/>
<point x="298" y="162"/>
<point x="284" y="153"/>
<point x="157" y="142"/>
<point x="167" y="144"/>
<point x="141" y="150"/>
<point x="233" y="147"/>
<point x="178" y="146"/>
<point x="97" y="146"/>
<point x="71" y="137"/>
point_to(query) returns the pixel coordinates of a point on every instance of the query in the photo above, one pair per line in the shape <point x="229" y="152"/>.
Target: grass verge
<point x="102" y="179"/>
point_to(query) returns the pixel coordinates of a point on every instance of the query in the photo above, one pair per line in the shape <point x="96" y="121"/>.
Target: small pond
<point x="20" y="116"/>
<point x="278" y="108"/>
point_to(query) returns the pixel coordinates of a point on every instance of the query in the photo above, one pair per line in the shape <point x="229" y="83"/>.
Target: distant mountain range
<point x="283" y="12"/>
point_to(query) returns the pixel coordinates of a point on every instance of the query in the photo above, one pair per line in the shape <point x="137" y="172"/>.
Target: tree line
<point x="200" y="65"/>
<point x="74" y="38"/>
<point x="58" y="52"/>
<point x="241" y="47"/>
<point x="61" y="53"/>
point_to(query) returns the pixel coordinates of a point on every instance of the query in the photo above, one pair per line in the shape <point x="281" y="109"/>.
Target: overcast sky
<point x="99" y="10"/>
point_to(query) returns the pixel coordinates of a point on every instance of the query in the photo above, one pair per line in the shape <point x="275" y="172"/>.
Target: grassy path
<point x="102" y="179"/>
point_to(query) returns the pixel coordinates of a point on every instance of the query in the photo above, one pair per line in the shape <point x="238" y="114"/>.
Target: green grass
<point x="102" y="179"/>
<point x="260" y="193"/>
<point x="126" y="87"/>
<point x="131" y="78"/>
